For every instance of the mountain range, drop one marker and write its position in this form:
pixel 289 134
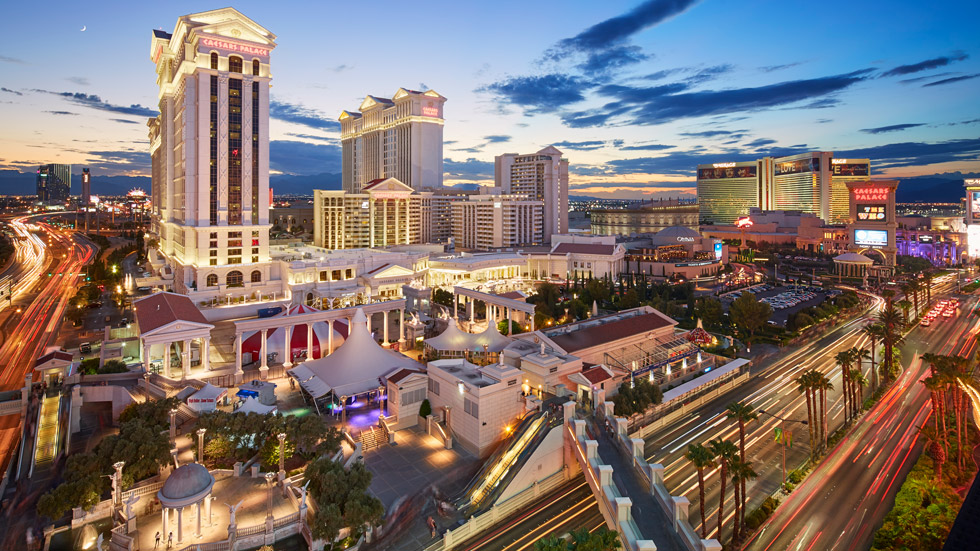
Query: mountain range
pixel 936 188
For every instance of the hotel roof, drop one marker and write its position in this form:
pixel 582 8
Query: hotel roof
pixel 583 248
pixel 597 334
pixel 159 309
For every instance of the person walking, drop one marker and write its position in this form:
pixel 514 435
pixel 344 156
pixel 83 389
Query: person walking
pixel 170 540
pixel 157 542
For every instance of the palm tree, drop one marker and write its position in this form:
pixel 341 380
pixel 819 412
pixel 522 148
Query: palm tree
pixel 858 381
pixel 927 283
pixel 957 372
pixel 551 543
pixel 741 412
pixel 725 452
pixel 890 320
pixel 936 449
pixel 874 332
pixel 858 355
pixel 905 305
pixel 804 385
pixel 741 471
pixel 843 359
pixel 822 384
pixel 914 287
pixel 702 458
pixel 601 540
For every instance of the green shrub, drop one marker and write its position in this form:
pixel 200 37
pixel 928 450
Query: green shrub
pixel 112 366
pixel 425 409
pixel 765 510
pixel 796 476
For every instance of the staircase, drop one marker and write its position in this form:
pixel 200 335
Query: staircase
pixel 371 438
pixel 47 435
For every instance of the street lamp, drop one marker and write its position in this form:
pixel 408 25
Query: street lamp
pixel 783 439
pixel 282 459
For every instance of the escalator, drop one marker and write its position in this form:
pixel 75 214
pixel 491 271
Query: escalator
pixel 501 467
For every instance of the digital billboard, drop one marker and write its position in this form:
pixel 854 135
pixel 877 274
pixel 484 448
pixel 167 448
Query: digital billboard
pixel 975 205
pixel 870 212
pixel 850 169
pixel 871 238
pixel 796 167
pixel 925 239
pixel 718 173
pixel 718 247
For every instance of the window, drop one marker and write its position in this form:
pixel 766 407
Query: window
pixel 213 253
pixel 256 276
pixel 323 275
pixel 411 397
pixel 471 407
pixel 335 276
pixel 350 274
pixel 255 259
pixel 214 60
pixel 234 260
pixel 235 252
pixel 214 262
pixel 212 280
pixel 255 67
pixel 214 235
pixel 434 387
pixel 234 279
pixel 213 244
pixel 234 64
pixel 234 242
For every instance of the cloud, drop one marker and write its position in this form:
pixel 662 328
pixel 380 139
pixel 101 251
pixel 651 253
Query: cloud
pixel 470 168
pixel 905 154
pixel 496 138
pixel 9 91
pixel 478 149
pixel 951 80
pixel 301 158
pixel 648 147
pixel 891 128
pixel 125 160
pixel 772 68
pixel 660 75
pixel 125 121
pixel 8 59
pixel 95 102
pixel 761 142
pixel 341 68
pixel 715 133
pixel 645 106
pixel 615 30
pixel 925 65
pixel 540 94
pixel 709 73
pixel 588 145
pixel 927 77
pixel 299 114
pixel 607 60
pixel 60 113
pixel 81 81
pixel 313 137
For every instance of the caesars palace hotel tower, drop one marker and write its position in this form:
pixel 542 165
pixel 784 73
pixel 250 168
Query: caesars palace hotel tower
pixel 210 155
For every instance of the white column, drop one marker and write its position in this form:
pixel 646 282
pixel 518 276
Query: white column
pixel 180 524
pixel 185 356
pixel 369 316
pixel 146 357
pixel 309 341
pixel 206 354
pixel 163 523
pixel 386 343
pixel 263 352
pixel 401 325
pixel 329 338
pixel 510 321
pixel 289 347
pixel 199 518
pixel 207 507
pixel 238 358
pixel 166 359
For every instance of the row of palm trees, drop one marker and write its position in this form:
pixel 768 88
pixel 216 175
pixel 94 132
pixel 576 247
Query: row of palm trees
pixel 732 465
pixel 948 376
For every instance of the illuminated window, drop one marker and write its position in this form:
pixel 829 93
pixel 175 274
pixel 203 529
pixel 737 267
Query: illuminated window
pixel 214 60
pixel 212 280
pixel 235 64
pixel 256 276
pixel 255 67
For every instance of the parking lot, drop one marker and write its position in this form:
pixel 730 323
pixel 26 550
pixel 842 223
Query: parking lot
pixel 784 301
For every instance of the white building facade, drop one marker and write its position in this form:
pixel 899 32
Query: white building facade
pixel 541 176
pixel 487 222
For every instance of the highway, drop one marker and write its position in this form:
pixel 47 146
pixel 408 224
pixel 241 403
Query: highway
pixel 846 498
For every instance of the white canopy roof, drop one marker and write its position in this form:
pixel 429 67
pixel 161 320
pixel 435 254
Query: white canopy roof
pixel 209 393
pixel 454 338
pixel 492 338
pixel 354 368
pixel 252 405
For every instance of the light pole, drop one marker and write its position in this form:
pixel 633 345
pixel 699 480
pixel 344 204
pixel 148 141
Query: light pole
pixel 200 445
pixel 282 459
pixel 173 426
pixel 783 436
pixel 268 479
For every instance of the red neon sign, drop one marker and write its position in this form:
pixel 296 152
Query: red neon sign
pixel 744 222
pixel 233 46
pixel 871 194
pixel 430 111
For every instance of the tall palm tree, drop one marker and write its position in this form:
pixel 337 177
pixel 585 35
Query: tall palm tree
pixel 843 359
pixel 891 321
pixel 874 332
pixel 858 382
pixel 804 385
pixel 858 355
pixel 905 305
pixel 958 372
pixel 927 283
pixel 822 384
pixel 935 385
pixel 741 472
pixel 741 412
pixel 935 447
pixel 914 287
pixel 702 458
pixel 726 452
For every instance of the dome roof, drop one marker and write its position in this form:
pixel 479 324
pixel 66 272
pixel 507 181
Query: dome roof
pixel 679 231
pixel 853 257
pixel 187 481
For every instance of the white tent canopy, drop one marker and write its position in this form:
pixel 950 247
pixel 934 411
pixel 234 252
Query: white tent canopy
pixel 455 339
pixel 491 337
pixel 252 405
pixel 354 368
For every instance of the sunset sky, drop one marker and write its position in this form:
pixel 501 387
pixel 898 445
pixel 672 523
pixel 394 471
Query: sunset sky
pixel 635 94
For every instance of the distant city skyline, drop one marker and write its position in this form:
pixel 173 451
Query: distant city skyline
pixel 636 94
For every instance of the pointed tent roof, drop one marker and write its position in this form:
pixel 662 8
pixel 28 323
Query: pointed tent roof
pixel 454 338
pixel 357 366
pixel 252 405
pixel 492 338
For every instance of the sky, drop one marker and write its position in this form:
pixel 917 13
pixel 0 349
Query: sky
pixel 636 94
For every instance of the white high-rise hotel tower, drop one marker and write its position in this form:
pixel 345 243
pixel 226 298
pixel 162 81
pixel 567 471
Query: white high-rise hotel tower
pixel 210 154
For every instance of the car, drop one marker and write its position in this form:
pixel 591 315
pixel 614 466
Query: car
pixel 85 347
pixel 926 322
pixel 143 288
pixel 94 305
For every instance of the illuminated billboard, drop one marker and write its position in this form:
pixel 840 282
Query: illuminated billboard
pixel 973 240
pixel 871 238
pixel 871 213
pixel 975 205
pixel 721 172
pixel 796 167
pixel 925 239
pixel 850 169
pixel 718 247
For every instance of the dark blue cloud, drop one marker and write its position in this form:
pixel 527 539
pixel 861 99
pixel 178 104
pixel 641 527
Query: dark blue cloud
pixel 927 77
pixel 95 102
pixel 60 113
pixel 924 65
pixel 124 161
pixel 298 114
pixel 917 153
pixel 313 137
pixel 469 149
pixel 951 80
pixel 772 68
pixel 891 128
pixel 588 145
pixel 81 81
pixel 761 142
pixel 715 133
pixel 607 60
pixel 709 73
pixel 617 29
pixel 470 168
pixel 496 138
pixel 9 91
pixel 125 121
pixel 293 157
pixel 648 147
pixel 540 94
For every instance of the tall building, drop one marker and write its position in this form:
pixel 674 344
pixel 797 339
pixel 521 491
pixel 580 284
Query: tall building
pixel 210 151
pixel 841 172
pixel 397 138
pixel 647 217
pixel 541 176
pixel 726 191
pixel 385 213
pixel 436 213
pixel 802 182
pixel 494 221
pixel 53 183
pixel 85 198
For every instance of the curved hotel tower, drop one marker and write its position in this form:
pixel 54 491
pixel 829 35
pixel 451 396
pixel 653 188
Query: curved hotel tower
pixel 210 153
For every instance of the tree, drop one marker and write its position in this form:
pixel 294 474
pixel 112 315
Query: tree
pixel 726 452
pixel 874 333
pixel 710 311
pixel 596 290
pixel 748 314
pixel 630 300
pixel 741 472
pixel 342 500
pixel 742 412
pixel 600 540
pixel 443 297
pixel 927 283
pixel 843 359
pixel 805 386
pixel 822 384
pixel 858 381
pixel 890 321
pixel 905 305
pixel 702 458
pixel 636 397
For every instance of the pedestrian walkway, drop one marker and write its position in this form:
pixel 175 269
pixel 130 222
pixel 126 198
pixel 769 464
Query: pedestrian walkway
pixel 47 437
